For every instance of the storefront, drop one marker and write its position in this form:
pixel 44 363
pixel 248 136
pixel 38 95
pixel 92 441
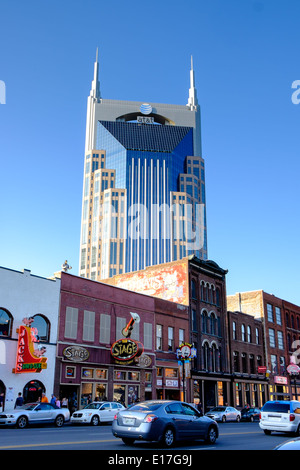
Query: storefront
pixel 28 329
pixel 96 377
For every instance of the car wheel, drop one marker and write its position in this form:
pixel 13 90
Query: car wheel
pixel 223 419
pixel 22 422
pixel 267 432
pixel 59 421
pixel 212 435
pixel 128 440
pixel 168 438
pixel 95 420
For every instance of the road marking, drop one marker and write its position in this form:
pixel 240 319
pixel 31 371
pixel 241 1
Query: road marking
pixel 56 444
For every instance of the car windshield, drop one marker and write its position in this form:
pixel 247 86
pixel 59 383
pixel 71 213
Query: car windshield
pixel 277 407
pixel 28 406
pixel 93 406
pixel 219 408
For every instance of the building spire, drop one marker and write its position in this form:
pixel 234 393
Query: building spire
pixel 95 90
pixel 193 101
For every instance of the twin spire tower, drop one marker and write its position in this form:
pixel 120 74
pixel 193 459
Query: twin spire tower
pixel 144 184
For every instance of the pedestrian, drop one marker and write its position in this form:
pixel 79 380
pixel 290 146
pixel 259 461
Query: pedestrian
pixel 64 403
pixel 44 398
pixel 19 400
pixel 1 401
pixel 199 408
pixel 53 399
pixel 57 403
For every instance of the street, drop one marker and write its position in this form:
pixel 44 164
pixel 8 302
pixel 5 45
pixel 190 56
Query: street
pixel 233 436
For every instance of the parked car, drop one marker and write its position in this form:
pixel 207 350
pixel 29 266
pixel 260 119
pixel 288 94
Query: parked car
pixel 165 421
pixel 97 412
pixel 224 413
pixel 250 414
pixel 281 416
pixel 292 444
pixel 35 413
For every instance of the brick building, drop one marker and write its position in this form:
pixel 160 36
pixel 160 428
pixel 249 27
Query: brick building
pixel 247 360
pixel 97 359
pixel 281 323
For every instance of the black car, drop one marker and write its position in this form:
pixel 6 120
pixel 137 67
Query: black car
pixel 250 414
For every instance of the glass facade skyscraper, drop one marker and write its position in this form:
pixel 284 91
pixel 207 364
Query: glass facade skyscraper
pixel 144 185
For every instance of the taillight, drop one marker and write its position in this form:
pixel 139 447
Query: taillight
pixel 150 418
pixel 292 417
pixel 115 417
pixel 259 415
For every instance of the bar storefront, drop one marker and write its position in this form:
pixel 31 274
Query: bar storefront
pixel 89 374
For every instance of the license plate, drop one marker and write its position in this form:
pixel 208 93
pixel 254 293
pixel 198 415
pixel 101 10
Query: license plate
pixel 128 421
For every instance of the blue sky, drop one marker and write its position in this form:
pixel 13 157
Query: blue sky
pixel 245 59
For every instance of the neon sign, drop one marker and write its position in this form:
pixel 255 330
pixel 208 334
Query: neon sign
pixel 28 358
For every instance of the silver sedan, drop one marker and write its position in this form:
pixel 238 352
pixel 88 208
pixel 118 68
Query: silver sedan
pixel 35 413
pixel 224 413
pixel 166 421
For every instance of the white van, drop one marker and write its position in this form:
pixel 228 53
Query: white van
pixel 281 416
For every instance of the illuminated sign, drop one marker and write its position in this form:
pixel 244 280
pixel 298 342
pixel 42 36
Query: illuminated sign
pixel 29 359
pixel 125 350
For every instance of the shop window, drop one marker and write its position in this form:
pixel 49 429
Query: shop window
pixel 6 321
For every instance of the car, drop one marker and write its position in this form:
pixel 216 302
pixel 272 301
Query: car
pixel 292 444
pixel 250 414
pixel 35 413
pixel 164 421
pixel 224 413
pixel 97 412
pixel 280 416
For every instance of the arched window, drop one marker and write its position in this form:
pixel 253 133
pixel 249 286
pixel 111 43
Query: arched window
pixel 249 334
pixel 205 356
pixel 214 357
pixel 213 324
pixel 243 333
pixel 42 324
pixel 204 321
pixel 6 321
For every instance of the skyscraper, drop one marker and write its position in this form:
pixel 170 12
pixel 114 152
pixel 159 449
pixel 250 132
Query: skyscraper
pixel 144 184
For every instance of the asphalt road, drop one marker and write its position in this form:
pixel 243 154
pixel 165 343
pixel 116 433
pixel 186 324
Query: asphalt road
pixel 233 436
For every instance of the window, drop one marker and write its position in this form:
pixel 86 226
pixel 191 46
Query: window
pixel 194 293
pixel 234 330
pixel 274 368
pixel 243 333
pixel 205 356
pixel 213 324
pixel 71 323
pixel 272 337
pixel 159 337
pixel 88 326
pixel 181 336
pixel 270 313
pixel 42 325
pixel 148 335
pixel 204 321
pixel 104 328
pixel 278 315
pixel 170 338
pixel 280 339
pixel 257 335
pixel 249 336
pixel 5 323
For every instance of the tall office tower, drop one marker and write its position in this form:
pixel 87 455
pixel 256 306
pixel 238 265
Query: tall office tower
pixel 144 185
